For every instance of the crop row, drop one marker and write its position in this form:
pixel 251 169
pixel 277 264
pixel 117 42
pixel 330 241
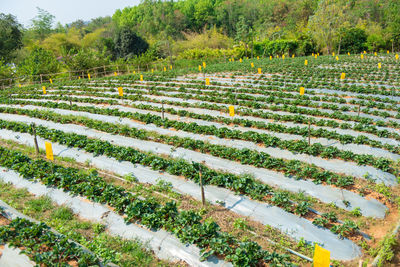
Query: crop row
pixel 186 225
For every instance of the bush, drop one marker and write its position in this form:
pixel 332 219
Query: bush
pixel 40 61
pixel 353 41
pixel 85 59
pixel 279 47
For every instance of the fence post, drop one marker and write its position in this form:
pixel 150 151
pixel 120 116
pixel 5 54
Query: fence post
pixel 41 79
pixel 35 138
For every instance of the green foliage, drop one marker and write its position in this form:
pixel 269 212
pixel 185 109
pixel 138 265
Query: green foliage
pixel 39 61
pixel 10 37
pixel 85 59
pixel 42 23
pixel 353 40
pixel 5 72
pixel 128 44
pixel 280 47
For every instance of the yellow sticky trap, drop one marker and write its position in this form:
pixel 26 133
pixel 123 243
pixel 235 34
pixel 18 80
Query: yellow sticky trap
pixel 170 66
pixel 397 56
pixel 120 91
pixel 79 77
pixel 365 52
pixel 315 56
pixel 49 151
pixel 270 57
pixel 375 54
pixel 388 51
pixel 152 70
pixel 231 111
pixel 44 89
pixel 305 62
pixel 115 73
pixel 165 69
pixel 293 56
pixel 51 81
pixel 337 58
pixel 240 60
pixel 362 56
pixel 302 90
pixel 19 85
pixel 141 78
pixel 333 54
pixel 283 56
pixel 259 70
pixel 88 76
pixel 379 65
pixel 321 257
pixel 233 59
pixel 134 72
pixel 258 57
pixel 348 53
pixel 312 54
pixel 343 76
pixel 207 81
pixel 252 64
pixel 229 61
pixel 200 66
pixel 204 64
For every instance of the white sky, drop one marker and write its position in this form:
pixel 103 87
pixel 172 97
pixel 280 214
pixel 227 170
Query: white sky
pixel 65 11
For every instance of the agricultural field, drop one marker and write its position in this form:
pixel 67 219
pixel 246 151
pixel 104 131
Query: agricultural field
pixel 290 152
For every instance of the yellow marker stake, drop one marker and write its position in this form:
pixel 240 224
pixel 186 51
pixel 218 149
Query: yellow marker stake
pixel 240 60
pixel 252 64
pixel 258 57
pixel 51 81
pixel 362 56
pixel 44 89
pixel 379 65
pixel 49 151
pixel 316 56
pixel 170 66
pixel 120 91
pixel 348 53
pixel 259 70
pixel 19 85
pixel 200 67
pixel 229 61
pixel 283 56
pixel 231 111
pixel 141 78
pixel 321 257
pixel 270 57
pixel 88 76
pixel 305 62
pixel 79 77
pixel 152 70
pixel 204 64
pixel 365 52
pixel 165 69
pixel 134 72
pixel 397 56
pixel 337 58
pixel 375 54
pixel 333 54
pixel 115 73
pixel 387 52
pixel 312 54
pixel 343 76
pixel 233 59
pixel 302 90
pixel 207 81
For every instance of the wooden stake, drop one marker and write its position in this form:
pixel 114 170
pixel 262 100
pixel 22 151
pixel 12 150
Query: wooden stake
pixel 309 132
pixel 359 109
pixel 162 109
pixel 35 138
pixel 203 198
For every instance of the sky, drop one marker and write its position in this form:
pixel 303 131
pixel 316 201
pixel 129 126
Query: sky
pixel 65 11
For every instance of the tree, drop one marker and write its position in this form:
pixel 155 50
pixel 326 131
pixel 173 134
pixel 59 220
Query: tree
pixel 353 40
pixel 42 23
pixel 40 61
pixel 10 37
pixel 128 44
pixel 326 22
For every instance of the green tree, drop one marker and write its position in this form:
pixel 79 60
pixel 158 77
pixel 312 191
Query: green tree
pixel 10 37
pixel 40 61
pixel 128 44
pixel 354 40
pixel 42 23
pixel 326 22
pixel 5 73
